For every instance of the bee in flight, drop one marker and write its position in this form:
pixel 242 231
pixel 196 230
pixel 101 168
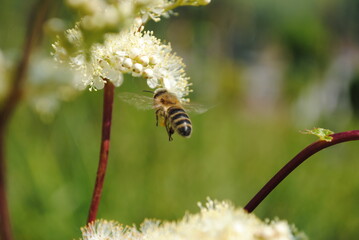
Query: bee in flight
pixel 170 112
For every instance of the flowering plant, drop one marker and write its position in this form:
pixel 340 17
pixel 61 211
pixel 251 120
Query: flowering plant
pixel 107 42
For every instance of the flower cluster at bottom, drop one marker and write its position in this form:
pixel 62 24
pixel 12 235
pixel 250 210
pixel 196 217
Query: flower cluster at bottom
pixel 215 221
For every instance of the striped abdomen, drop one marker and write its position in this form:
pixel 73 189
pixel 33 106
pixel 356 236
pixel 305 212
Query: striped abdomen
pixel 180 121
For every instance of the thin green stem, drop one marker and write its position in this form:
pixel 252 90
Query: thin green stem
pixel 296 161
pixel 105 147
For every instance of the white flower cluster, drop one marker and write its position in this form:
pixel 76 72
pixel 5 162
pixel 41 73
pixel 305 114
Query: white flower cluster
pixel 133 51
pixel 101 13
pixel 216 221
pixel 99 52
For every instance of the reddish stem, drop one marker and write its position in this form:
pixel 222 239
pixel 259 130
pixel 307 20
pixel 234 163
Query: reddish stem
pixel 105 146
pixel 5 226
pixel 296 161
pixel 34 33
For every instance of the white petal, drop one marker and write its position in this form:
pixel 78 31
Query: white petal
pixel 98 83
pixel 134 52
pixel 144 60
pixel 148 73
pixel 152 82
pixel 137 68
pixel 118 80
pixel 127 63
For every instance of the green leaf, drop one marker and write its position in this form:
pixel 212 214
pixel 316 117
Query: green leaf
pixel 322 133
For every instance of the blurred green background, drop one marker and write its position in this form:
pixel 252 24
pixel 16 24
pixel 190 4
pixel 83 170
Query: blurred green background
pixel 269 68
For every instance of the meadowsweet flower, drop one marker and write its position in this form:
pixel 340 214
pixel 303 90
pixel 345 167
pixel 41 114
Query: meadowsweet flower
pixel 215 221
pixel 135 52
pixel 99 52
pixel 101 14
pixel 104 230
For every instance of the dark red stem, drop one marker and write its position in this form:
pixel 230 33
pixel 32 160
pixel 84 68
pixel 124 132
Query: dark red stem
pixel 5 226
pixel 105 146
pixel 296 161
pixel 34 33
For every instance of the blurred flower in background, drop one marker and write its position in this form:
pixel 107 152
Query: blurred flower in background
pixel 331 94
pixel 48 85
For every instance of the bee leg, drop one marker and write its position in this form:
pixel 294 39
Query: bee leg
pixel 170 132
pixel 157 118
pixel 169 129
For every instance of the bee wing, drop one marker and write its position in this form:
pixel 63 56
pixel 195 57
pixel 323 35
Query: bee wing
pixel 137 100
pixel 195 107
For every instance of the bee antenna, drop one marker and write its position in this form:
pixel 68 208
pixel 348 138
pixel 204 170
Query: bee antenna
pixel 148 91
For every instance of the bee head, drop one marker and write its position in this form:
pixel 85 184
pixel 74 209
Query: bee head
pixel 158 92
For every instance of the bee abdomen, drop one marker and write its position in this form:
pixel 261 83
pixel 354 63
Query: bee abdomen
pixel 179 116
pixel 180 121
pixel 174 111
pixel 184 129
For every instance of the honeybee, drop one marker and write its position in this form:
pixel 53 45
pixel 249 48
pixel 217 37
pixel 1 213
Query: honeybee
pixel 170 112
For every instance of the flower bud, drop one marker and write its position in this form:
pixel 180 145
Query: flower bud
pixel 148 73
pixel 127 63
pixel 137 68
